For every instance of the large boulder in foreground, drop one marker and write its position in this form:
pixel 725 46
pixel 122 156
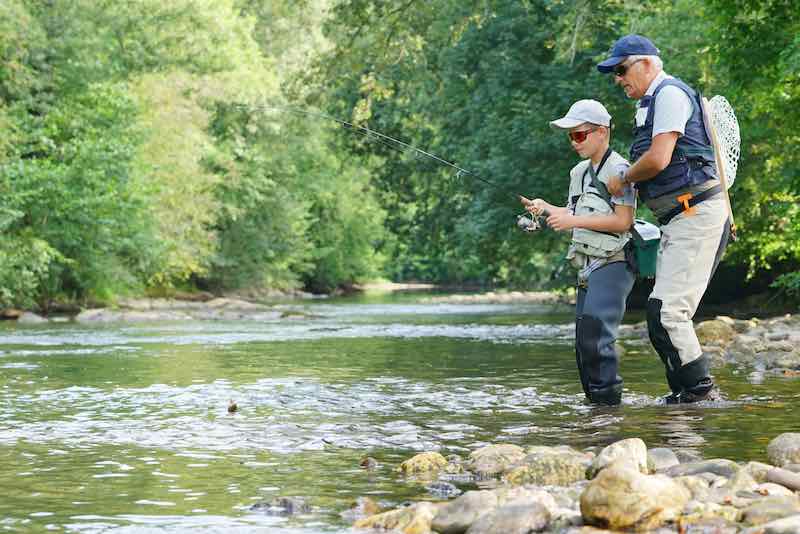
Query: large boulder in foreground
pixel 784 449
pixel 621 497
pixel 459 514
pixel 632 449
pixel 414 519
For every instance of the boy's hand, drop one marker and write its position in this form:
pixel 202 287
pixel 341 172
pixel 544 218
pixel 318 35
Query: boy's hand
pixel 536 206
pixel 561 221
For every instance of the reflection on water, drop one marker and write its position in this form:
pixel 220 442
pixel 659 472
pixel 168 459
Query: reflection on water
pixel 125 428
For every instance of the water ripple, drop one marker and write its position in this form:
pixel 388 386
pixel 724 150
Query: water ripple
pixel 279 415
pixel 76 341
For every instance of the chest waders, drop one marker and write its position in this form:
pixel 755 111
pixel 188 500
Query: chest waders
pixel 600 303
pixel 691 165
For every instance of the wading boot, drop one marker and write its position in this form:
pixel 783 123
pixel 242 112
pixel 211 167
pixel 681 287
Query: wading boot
pixel 610 396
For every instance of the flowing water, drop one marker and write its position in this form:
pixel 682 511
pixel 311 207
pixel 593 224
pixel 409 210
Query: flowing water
pixel 125 428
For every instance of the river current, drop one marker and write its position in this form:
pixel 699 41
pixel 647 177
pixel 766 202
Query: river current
pixel 126 428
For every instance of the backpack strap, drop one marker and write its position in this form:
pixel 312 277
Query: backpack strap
pixel 597 184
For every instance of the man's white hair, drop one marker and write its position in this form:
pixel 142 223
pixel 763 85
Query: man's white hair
pixel 654 60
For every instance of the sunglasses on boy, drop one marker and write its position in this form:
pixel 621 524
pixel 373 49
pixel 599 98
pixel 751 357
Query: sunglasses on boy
pixel 580 136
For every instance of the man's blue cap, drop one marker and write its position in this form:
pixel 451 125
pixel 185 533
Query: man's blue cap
pixel 630 45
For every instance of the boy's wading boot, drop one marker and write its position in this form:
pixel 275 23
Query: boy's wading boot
pixel 610 396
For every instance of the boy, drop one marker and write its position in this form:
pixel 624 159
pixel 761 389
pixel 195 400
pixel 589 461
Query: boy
pixel 599 225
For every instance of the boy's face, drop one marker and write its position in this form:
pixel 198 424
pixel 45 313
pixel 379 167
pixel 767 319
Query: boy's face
pixel 586 139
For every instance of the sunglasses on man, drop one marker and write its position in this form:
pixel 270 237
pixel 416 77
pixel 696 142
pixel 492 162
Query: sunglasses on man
pixel 622 69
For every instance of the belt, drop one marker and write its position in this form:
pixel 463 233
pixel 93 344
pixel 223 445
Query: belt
pixel 687 202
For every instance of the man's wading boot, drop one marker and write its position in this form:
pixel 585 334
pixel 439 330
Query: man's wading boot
pixel 694 381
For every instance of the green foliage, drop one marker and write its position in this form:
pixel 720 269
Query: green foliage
pixel 134 154
pixel 789 282
pixel 71 193
pixel 21 44
pixel 169 167
pixel 477 82
pixel 290 206
pixel 95 40
pixel 756 42
pixel 26 266
pixel 262 222
pixel 347 226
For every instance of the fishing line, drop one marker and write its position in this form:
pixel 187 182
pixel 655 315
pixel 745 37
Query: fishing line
pixel 387 141
pixel 527 222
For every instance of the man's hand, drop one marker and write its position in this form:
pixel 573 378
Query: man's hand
pixel 615 186
pixel 561 221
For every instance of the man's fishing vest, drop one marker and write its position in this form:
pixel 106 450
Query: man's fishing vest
pixel 586 199
pixel 692 160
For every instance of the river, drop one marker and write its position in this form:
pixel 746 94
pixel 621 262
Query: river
pixel 125 428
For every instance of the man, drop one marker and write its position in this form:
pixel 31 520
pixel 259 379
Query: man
pixel 674 172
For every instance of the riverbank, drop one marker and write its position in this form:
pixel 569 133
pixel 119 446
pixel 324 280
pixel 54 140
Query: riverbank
pixel 623 487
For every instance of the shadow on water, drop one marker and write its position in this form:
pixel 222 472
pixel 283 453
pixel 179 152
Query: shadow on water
pixel 125 427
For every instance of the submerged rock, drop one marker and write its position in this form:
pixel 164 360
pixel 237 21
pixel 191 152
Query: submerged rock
pixel 282 506
pixel 423 463
pixel 368 463
pixel 443 490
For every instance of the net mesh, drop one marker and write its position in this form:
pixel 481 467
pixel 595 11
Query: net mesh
pixel 726 127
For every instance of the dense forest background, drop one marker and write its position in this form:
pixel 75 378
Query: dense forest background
pixel 149 145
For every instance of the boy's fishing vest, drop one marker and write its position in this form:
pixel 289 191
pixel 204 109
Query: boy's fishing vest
pixel 692 160
pixel 588 200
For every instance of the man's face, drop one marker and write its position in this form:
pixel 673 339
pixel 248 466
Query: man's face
pixel 633 77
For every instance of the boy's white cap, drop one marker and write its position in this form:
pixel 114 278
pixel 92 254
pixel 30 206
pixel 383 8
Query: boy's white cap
pixel 583 111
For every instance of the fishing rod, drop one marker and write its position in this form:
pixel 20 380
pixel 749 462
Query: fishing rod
pixel 527 221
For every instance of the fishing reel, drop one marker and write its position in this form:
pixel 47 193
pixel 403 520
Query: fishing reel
pixel 528 222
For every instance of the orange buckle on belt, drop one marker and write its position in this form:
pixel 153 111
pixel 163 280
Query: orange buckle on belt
pixel 684 199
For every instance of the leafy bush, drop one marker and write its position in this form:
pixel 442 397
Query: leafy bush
pixel 70 181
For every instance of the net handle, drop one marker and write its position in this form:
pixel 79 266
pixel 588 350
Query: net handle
pixel 720 167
